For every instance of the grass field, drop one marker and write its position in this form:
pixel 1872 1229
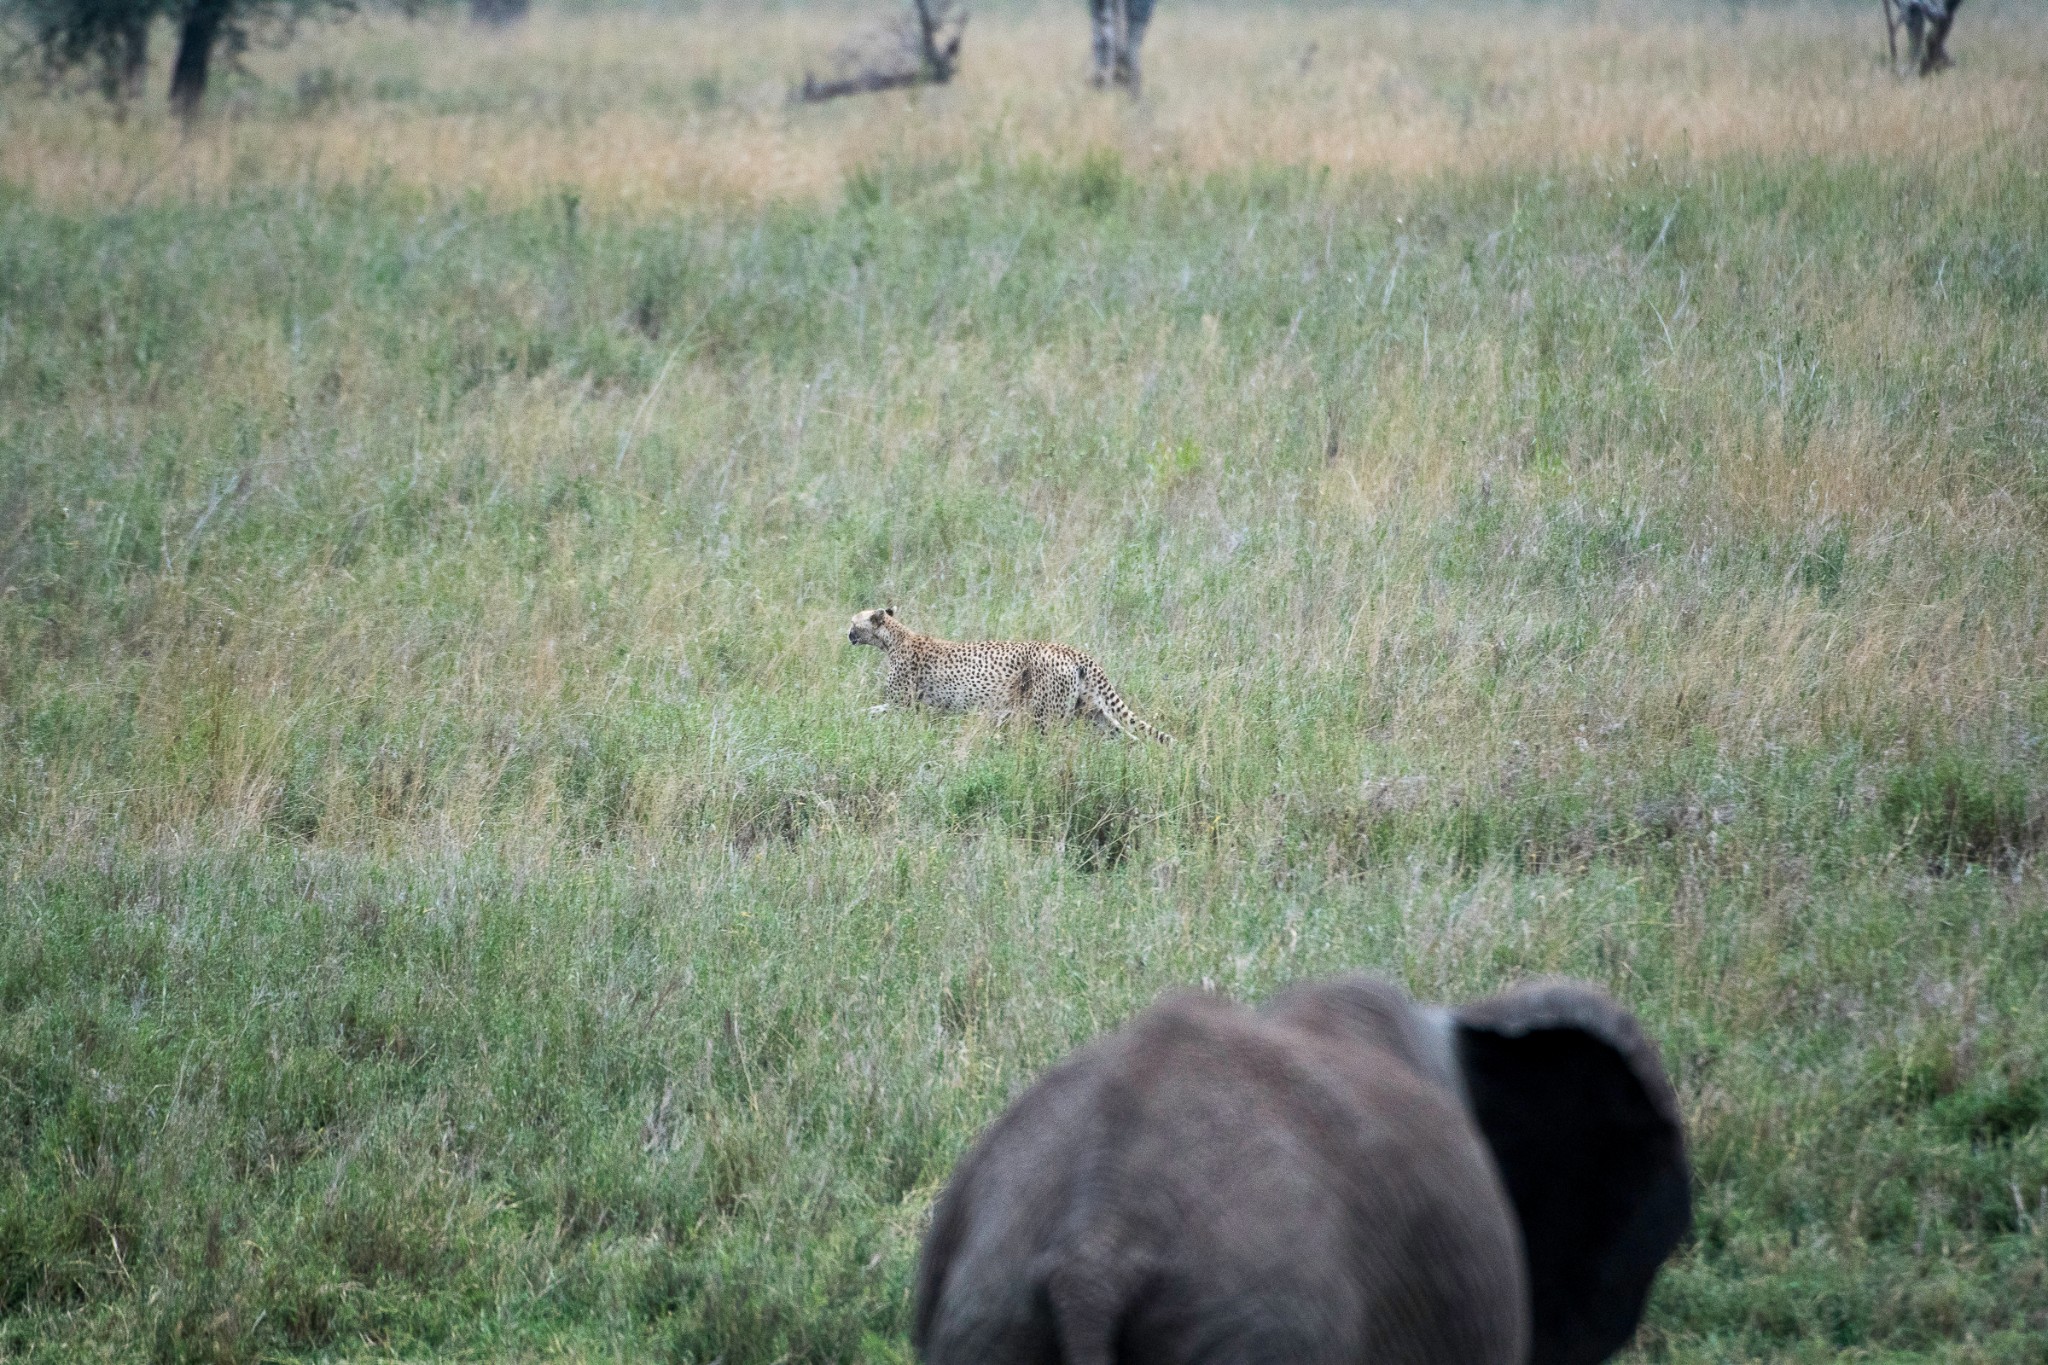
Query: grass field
pixel 1574 477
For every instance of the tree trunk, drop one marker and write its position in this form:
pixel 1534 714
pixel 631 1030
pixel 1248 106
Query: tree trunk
pixel 134 57
pixel 123 53
pixel 196 40
pixel 498 13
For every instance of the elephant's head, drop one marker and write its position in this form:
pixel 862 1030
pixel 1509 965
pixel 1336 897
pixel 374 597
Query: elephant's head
pixel 1341 1175
pixel 1582 1125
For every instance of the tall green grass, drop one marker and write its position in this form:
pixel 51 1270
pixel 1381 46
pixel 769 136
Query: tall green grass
pixel 455 903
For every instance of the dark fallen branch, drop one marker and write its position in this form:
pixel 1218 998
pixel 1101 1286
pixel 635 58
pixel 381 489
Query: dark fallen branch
pixel 815 91
pixel 925 50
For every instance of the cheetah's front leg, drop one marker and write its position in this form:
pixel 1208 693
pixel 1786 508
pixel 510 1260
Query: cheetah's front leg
pixel 899 692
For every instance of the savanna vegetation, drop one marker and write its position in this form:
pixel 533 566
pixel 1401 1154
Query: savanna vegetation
pixel 1575 479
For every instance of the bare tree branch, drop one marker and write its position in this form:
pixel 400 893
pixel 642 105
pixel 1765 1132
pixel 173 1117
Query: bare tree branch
pixel 921 48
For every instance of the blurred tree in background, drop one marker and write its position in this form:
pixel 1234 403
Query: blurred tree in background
pixel 498 13
pixel 108 40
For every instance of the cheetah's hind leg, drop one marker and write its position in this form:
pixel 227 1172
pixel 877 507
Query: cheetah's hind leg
pixel 1035 696
pixel 1101 716
pixel 1056 695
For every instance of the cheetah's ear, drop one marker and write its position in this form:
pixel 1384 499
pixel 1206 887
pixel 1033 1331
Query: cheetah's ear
pixel 888 611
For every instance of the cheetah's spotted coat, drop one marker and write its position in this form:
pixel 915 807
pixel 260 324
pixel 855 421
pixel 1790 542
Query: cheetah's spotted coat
pixel 1046 682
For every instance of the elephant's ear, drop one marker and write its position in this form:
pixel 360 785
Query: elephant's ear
pixel 1585 1130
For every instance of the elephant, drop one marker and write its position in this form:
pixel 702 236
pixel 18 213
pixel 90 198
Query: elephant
pixel 1340 1176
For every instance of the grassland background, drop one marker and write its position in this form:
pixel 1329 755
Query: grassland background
pixel 1573 477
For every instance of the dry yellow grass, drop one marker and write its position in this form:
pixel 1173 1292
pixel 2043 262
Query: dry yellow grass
pixel 654 112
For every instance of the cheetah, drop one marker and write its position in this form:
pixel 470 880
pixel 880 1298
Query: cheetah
pixel 1046 682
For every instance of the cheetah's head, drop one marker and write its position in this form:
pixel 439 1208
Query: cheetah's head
pixel 874 627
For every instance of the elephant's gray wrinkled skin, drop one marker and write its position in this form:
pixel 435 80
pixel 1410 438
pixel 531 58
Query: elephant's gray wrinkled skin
pixel 1341 1176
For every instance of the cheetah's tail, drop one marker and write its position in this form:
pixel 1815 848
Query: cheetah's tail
pixel 1146 728
pixel 1114 709
pixel 1127 720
